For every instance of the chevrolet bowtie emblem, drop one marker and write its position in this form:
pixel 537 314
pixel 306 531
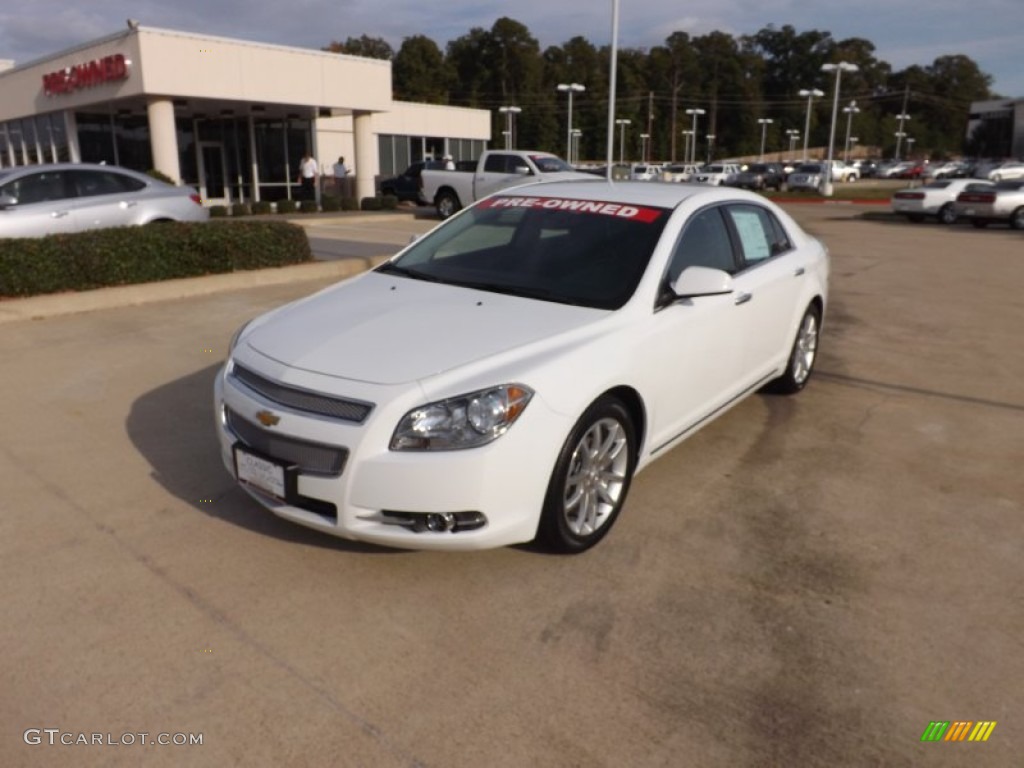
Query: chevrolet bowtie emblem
pixel 268 419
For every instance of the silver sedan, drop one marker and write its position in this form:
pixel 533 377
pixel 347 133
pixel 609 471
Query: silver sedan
pixel 38 200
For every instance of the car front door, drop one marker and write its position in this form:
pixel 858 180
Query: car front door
pixel 768 288
pixel 40 205
pixel 693 350
pixel 498 173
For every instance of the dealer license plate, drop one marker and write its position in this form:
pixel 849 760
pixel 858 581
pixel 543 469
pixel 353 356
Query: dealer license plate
pixel 263 474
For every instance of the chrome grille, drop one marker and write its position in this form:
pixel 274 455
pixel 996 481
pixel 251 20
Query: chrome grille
pixel 313 458
pixel 303 400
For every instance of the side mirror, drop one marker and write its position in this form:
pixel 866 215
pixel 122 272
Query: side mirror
pixel 701 281
pixel 523 170
pixel 7 201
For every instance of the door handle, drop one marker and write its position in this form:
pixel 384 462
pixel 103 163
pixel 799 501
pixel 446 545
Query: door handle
pixel 799 271
pixel 128 204
pixel 59 214
pixel 743 298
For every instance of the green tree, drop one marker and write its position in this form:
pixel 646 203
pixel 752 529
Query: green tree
pixel 364 45
pixel 419 71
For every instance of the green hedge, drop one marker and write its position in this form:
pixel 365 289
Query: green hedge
pixel 126 255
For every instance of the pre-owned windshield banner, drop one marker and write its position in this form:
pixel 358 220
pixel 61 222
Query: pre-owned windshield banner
pixel 618 210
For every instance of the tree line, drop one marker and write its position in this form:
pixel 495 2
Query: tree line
pixel 735 80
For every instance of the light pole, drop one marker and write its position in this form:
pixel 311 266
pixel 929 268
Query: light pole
pixel 793 134
pixel 687 138
pixel 643 146
pixel 711 140
pixel 570 88
pixel 622 123
pixel 810 95
pixel 510 122
pixel 838 68
pixel 693 147
pixel 764 122
pixel 575 154
pixel 899 132
pixel 850 112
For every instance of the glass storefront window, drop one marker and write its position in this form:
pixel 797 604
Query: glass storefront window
pixel 96 138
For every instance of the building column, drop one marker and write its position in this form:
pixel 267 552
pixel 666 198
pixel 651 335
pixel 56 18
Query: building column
pixel 366 154
pixel 163 138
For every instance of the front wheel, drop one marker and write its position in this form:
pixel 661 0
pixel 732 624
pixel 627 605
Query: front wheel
pixel 447 204
pixel 590 480
pixel 802 355
pixel 947 214
pixel 1017 218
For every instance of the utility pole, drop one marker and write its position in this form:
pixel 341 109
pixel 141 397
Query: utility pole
pixel 650 119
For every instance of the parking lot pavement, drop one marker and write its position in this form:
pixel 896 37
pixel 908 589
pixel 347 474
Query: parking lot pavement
pixel 808 581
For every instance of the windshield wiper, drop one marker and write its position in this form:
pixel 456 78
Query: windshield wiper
pixel 390 268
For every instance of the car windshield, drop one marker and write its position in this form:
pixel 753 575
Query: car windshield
pixel 809 168
pixel 581 252
pixel 757 168
pixel 550 164
pixel 1010 185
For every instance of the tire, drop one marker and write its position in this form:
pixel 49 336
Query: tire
pixel 947 214
pixel 1017 218
pixel 447 204
pixel 802 355
pixel 590 480
pixel 979 223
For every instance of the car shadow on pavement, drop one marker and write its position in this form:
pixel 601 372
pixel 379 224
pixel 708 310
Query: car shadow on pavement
pixel 172 427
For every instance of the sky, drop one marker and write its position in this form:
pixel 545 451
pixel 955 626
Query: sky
pixel 991 32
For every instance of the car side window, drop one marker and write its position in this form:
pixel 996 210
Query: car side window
pixel 759 232
pixel 90 183
pixel 705 242
pixel 500 164
pixel 37 187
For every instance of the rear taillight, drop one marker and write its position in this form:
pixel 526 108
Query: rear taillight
pixel 974 197
pixel 196 199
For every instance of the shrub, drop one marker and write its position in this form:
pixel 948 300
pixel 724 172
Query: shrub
pixel 241 209
pixel 287 206
pixel 370 204
pixel 160 176
pixel 309 206
pixel 216 211
pixel 350 204
pixel 330 203
pixel 126 255
pixel 389 202
pixel 263 206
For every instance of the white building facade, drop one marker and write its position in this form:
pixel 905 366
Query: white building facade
pixel 229 117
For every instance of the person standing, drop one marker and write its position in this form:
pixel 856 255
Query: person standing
pixel 308 172
pixel 340 174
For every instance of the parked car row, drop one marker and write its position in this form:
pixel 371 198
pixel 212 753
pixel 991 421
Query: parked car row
pixel 949 200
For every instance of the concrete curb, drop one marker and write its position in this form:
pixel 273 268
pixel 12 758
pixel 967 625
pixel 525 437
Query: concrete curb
pixel 53 305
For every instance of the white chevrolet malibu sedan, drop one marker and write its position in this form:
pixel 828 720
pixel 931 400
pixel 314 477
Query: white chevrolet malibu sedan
pixel 503 378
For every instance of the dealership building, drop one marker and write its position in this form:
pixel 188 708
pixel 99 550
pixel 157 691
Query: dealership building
pixel 230 117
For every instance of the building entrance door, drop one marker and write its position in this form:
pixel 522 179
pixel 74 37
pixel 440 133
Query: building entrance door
pixel 213 173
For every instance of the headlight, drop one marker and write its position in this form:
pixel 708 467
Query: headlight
pixel 461 422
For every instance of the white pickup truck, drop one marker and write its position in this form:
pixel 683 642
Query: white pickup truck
pixel 495 170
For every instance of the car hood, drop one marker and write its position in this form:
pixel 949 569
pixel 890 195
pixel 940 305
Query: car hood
pixel 385 329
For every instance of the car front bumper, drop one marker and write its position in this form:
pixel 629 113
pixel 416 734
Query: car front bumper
pixel 385 497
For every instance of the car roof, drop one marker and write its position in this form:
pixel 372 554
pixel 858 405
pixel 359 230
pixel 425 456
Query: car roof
pixel 631 192
pixel 68 167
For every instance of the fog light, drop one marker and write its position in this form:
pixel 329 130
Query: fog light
pixel 437 523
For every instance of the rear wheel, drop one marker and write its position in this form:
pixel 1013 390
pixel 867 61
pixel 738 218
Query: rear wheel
pixel 947 214
pixel 802 355
pixel 590 480
pixel 447 204
pixel 1017 218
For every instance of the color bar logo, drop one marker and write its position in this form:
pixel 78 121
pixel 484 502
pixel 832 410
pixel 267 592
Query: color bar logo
pixel 958 730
